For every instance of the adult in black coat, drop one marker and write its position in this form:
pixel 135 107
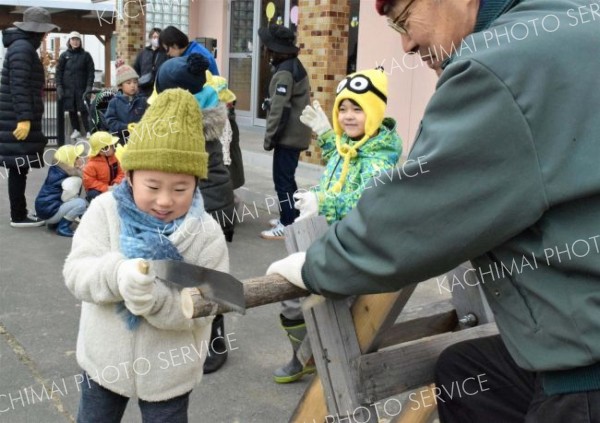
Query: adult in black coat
pixel 21 108
pixel 148 61
pixel 75 76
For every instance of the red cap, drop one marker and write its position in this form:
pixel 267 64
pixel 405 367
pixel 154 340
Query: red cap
pixel 380 6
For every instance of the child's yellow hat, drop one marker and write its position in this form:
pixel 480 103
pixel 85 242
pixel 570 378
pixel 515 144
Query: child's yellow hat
pixel 67 154
pixel 100 140
pixel 169 137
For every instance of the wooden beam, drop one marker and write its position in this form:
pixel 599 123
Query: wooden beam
pixel 418 322
pixel 410 365
pixel 422 414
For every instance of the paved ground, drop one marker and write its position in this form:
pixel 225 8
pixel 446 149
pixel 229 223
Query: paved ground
pixel 39 318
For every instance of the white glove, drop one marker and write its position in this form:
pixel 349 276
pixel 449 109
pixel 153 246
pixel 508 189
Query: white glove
pixel 71 188
pixel 290 268
pixel 315 118
pixel 307 203
pixel 136 287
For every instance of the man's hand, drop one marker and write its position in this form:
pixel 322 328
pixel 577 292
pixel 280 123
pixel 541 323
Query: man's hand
pixel 307 203
pixel 22 130
pixel 315 118
pixel 136 287
pixel 290 268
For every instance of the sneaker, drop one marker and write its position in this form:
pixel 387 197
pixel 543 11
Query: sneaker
pixel 276 232
pixel 75 134
pixel 273 222
pixel 30 221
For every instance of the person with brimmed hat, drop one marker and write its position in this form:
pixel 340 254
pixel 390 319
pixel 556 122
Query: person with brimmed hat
pixel 129 318
pixel 289 93
pixel 22 141
pixel 503 173
pixel 102 172
pixel 58 201
pixel 75 73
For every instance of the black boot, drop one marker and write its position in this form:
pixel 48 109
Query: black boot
pixel 64 228
pixel 217 348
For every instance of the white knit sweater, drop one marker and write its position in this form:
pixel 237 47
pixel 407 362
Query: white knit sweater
pixel 163 357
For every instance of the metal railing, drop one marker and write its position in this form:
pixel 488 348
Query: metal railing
pixel 53 120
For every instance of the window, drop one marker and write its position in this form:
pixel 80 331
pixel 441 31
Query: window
pixel 162 13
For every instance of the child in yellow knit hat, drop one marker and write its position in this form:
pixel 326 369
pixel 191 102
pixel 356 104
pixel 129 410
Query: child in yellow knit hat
pixel 58 201
pixel 131 321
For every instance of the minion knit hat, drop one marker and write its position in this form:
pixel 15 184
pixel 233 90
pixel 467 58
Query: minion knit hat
pixel 100 140
pixel 369 90
pixel 67 154
pixel 169 138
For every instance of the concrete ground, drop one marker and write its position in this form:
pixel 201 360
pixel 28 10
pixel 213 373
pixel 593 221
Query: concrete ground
pixel 39 317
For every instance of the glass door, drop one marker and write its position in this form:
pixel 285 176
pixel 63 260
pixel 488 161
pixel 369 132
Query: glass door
pixel 241 46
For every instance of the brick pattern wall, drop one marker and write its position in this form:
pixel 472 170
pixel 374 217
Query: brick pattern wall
pixel 323 40
pixel 130 31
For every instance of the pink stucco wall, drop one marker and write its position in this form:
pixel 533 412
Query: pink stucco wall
pixel 208 18
pixel 411 83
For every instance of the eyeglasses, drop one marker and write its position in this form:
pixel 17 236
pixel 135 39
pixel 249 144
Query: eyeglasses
pixel 398 24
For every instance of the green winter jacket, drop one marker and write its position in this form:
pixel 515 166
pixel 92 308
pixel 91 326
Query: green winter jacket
pixel 510 148
pixel 379 154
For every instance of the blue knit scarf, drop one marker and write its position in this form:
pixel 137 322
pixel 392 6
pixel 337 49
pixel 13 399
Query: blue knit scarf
pixel 144 236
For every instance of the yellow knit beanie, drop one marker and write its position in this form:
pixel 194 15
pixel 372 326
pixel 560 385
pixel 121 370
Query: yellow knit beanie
pixel 369 90
pixel 169 137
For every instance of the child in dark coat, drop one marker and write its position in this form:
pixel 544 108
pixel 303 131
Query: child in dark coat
pixel 58 201
pixel 128 106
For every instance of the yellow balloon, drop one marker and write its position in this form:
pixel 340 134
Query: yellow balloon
pixel 270 10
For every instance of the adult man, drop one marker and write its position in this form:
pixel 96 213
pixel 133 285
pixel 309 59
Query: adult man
pixel 21 108
pixel 506 172
pixel 148 61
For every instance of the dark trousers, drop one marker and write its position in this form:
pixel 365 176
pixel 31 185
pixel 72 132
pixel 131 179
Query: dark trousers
pixel 285 162
pixel 85 117
pixel 17 182
pixel 477 381
pixel 99 405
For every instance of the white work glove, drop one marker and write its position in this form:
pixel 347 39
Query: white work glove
pixel 71 188
pixel 308 204
pixel 290 268
pixel 315 118
pixel 136 287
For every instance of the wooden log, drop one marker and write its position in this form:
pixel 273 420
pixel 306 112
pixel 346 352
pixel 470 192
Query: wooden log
pixel 257 291
pixel 409 366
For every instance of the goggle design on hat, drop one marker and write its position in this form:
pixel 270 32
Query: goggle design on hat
pixel 360 84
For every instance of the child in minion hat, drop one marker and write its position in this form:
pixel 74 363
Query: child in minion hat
pixel 102 171
pixel 362 144
pixel 127 315
pixel 58 201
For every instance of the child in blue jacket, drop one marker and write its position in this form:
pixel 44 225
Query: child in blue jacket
pixel 58 201
pixel 128 106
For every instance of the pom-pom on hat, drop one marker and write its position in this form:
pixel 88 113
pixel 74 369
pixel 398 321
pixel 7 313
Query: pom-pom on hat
pixel 279 39
pixel 187 72
pixel 125 73
pixel 169 137
pixel 100 140
pixel 67 154
pixel 369 90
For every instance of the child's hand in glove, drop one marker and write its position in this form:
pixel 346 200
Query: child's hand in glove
pixel 136 286
pixel 307 203
pixel 315 118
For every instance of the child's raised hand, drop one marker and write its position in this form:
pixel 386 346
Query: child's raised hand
pixel 315 118
pixel 136 286
pixel 307 203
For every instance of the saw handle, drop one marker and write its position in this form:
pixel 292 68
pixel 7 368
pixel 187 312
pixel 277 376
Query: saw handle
pixel 143 267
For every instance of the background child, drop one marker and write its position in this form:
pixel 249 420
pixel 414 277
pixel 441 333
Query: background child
pixel 127 106
pixel 129 320
pixel 58 201
pixel 189 73
pixel 361 145
pixel 102 170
